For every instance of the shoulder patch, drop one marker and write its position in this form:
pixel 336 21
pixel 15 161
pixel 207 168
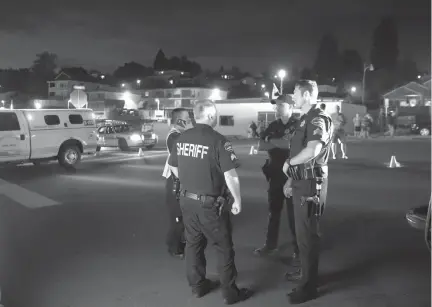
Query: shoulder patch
pixel 302 123
pixel 228 146
pixel 319 123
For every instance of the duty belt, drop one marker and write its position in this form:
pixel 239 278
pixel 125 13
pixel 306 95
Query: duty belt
pixel 194 196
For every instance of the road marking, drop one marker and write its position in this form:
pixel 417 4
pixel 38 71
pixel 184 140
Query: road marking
pixel 119 158
pixel 25 197
pixel 128 182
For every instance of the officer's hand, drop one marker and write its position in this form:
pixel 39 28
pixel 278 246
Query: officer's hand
pixel 285 168
pixel 287 189
pixel 236 208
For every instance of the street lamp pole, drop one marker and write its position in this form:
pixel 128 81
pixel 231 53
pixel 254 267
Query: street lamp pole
pixel 366 67
pixel 281 74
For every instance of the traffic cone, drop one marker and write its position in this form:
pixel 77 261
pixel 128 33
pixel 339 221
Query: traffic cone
pixel 140 153
pixel 393 163
pixel 252 150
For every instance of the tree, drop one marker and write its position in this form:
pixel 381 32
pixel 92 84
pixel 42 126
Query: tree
pixel 327 62
pixel 306 73
pixel 45 64
pixel 408 70
pixel 132 71
pixel 160 62
pixel 351 66
pixel 385 52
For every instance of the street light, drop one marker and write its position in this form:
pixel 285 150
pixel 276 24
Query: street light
pixel 263 86
pixel 419 77
pixel 138 81
pixel 102 76
pixel 366 67
pixel 123 85
pixel 353 89
pixel 38 105
pixel 281 75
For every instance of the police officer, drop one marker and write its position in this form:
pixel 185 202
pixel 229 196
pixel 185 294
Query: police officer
pixel 206 163
pixel 307 171
pixel 276 140
pixel 175 238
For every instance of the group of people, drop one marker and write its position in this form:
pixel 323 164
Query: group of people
pixel 362 125
pixel 203 188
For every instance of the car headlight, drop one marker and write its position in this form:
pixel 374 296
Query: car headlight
pixel 135 137
pixel 153 136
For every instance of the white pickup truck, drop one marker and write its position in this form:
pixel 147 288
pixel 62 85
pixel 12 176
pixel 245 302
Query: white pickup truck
pixel 41 135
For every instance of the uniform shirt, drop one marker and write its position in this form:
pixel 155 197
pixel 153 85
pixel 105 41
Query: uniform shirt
pixel 277 129
pixel 202 155
pixel 315 125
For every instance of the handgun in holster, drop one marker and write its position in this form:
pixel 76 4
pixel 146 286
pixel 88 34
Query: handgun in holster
pixel 224 201
pixel 176 187
pixel 315 207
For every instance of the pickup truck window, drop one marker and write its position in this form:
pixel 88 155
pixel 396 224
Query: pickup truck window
pixel 9 122
pixel 52 120
pixel 75 119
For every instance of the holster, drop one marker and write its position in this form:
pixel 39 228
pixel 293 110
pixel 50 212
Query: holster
pixel 176 187
pixel 315 207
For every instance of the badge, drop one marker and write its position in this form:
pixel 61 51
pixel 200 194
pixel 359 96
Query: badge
pixel 233 157
pixel 302 123
pixel 228 147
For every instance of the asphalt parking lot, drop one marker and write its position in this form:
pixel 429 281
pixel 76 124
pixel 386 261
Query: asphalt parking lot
pixel 96 237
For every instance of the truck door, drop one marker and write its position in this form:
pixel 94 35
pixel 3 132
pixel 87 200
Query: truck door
pixel 14 142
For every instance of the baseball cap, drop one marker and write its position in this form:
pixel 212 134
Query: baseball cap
pixel 282 99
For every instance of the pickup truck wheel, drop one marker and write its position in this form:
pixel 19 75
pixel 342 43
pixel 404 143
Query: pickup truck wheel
pixel 123 145
pixel 69 156
pixel 149 146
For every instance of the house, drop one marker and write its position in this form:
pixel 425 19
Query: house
pixel 412 94
pixel 64 83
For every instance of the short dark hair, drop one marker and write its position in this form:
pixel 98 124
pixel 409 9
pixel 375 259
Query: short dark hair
pixel 322 106
pixel 308 85
pixel 176 113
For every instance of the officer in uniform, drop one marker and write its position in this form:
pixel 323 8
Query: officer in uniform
pixel 307 173
pixel 175 238
pixel 276 140
pixel 205 163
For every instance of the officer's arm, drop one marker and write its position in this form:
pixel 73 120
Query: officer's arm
pixel 228 162
pixel 263 144
pixel 317 136
pixel 171 140
pixel 173 160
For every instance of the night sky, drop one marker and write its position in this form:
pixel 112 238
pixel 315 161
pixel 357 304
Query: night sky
pixel 251 34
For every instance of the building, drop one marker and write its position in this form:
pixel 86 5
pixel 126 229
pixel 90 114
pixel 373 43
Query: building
pixel 171 98
pixel 97 98
pixel 412 94
pixel 63 84
pixel 235 115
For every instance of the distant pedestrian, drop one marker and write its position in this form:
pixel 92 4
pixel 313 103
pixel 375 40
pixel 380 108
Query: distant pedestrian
pixel 366 125
pixel 357 125
pixel 339 135
pixel 253 127
pixel 391 122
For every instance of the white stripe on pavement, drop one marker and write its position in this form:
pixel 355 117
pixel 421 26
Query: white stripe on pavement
pixel 128 182
pixel 125 157
pixel 25 197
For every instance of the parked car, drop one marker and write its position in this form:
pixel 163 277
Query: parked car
pixel 40 135
pixel 420 218
pixel 422 125
pixel 124 136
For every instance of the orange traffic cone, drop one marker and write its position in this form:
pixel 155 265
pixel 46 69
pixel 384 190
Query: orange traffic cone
pixel 393 163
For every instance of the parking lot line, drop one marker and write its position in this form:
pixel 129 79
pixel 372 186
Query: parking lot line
pixel 25 197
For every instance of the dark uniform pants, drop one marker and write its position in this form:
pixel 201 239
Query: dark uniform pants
pixel 175 237
pixel 307 230
pixel 204 224
pixel 276 199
